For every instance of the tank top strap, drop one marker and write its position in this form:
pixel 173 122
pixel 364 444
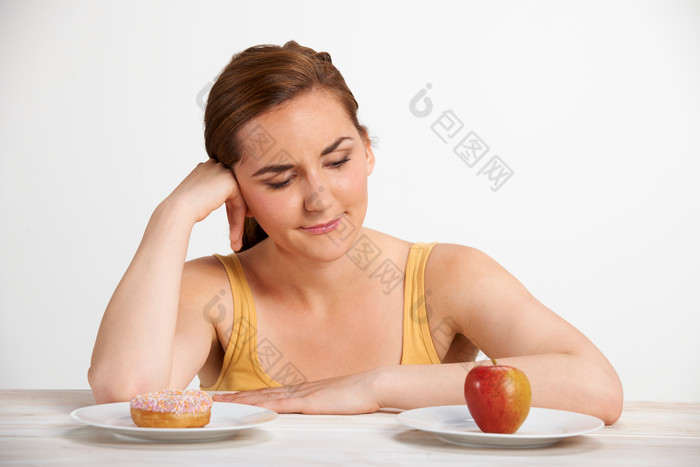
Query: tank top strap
pixel 418 347
pixel 240 366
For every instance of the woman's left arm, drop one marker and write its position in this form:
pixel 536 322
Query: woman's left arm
pixel 469 293
pixel 476 297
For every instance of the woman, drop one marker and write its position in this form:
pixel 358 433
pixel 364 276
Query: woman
pixel 316 313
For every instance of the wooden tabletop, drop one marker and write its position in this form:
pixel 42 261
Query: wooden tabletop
pixel 36 429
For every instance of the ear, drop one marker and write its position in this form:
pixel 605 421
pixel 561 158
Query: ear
pixel 369 154
pixel 247 209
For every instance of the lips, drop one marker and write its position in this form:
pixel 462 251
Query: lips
pixel 323 228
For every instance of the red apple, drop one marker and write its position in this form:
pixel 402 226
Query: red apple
pixel 498 397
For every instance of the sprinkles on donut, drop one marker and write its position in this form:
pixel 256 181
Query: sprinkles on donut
pixel 171 408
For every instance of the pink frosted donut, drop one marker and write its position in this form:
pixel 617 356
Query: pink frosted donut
pixel 172 408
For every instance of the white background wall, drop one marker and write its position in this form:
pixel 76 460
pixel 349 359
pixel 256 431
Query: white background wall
pixel 595 105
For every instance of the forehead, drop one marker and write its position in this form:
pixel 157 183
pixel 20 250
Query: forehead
pixel 307 123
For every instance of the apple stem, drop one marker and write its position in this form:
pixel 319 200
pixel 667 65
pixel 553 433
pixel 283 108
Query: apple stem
pixel 493 360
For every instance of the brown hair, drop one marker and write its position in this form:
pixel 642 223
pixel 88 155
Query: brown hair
pixel 256 80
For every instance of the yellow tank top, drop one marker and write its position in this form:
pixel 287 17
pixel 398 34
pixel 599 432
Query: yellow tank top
pixel 241 369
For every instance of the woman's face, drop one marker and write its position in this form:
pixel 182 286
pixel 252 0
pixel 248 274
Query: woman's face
pixel 304 174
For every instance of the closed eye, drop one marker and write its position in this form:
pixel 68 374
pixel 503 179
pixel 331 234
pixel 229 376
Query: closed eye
pixel 279 185
pixel 332 165
pixel 338 164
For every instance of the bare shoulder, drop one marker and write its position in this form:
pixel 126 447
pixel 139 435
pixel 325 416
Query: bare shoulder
pixel 203 279
pixel 451 272
pixel 206 267
pixel 465 278
pixel 449 262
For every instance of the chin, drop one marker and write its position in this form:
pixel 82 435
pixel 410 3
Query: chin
pixel 323 249
pixel 326 247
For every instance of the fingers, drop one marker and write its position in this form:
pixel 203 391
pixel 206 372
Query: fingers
pixel 294 405
pixel 262 394
pixel 307 398
pixel 282 399
pixel 209 185
pixel 350 394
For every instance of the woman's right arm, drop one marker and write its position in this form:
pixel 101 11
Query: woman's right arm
pixel 137 337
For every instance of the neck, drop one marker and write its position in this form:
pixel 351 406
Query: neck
pixel 313 284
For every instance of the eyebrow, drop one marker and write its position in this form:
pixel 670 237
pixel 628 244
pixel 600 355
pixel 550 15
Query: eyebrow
pixel 332 147
pixel 279 168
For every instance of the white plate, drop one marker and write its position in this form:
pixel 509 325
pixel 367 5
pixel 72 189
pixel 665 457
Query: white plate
pixel 454 424
pixel 226 419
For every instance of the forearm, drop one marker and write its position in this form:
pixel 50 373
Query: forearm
pixel 134 345
pixel 560 381
pixel 577 383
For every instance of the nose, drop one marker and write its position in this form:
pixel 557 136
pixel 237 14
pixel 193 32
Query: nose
pixel 317 198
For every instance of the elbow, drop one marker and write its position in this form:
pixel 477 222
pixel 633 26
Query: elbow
pixel 612 406
pixel 105 391
pixel 596 390
pixel 102 391
pixel 121 383
pixel 609 396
